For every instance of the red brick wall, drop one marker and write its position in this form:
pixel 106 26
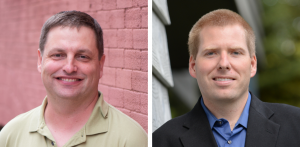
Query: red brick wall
pixel 125 26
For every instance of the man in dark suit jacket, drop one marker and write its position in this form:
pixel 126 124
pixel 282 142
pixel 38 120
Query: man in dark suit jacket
pixel 222 59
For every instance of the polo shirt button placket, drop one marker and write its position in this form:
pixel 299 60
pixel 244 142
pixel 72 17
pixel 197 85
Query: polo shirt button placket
pixel 229 141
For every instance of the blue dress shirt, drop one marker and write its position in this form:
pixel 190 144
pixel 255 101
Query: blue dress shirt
pixel 221 127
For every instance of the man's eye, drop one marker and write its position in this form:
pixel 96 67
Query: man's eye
pixel 81 56
pixel 57 55
pixel 210 53
pixel 236 53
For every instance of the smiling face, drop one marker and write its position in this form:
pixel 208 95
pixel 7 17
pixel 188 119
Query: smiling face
pixel 223 66
pixel 69 65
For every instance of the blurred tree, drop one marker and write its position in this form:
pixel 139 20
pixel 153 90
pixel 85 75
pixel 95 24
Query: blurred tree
pixel 279 81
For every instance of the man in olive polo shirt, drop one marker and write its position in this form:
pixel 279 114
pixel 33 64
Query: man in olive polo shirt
pixel 70 60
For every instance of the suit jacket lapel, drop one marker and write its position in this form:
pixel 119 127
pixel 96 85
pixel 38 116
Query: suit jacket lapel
pixel 198 132
pixel 261 132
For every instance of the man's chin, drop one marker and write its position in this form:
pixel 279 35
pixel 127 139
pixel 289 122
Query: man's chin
pixel 67 94
pixel 224 96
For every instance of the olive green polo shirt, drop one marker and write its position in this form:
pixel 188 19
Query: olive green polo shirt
pixel 106 127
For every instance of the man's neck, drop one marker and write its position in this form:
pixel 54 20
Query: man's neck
pixel 230 110
pixel 65 117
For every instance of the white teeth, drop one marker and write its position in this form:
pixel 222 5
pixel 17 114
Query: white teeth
pixel 69 80
pixel 223 79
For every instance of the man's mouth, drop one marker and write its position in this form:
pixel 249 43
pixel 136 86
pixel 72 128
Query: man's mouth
pixel 69 79
pixel 223 79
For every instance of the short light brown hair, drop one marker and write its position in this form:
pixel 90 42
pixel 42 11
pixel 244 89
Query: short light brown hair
pixel 220 17
pixel 72 19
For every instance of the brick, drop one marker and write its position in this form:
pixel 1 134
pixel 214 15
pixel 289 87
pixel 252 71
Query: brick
pixel 125 38
pixel 132 100
pixel 140 38
pixel 117 19
pixel 144 103
pixel 110 38
pixel 71 5
pixel 124 3
pixel 133 18
pixel 144 13
pixel 140 3
pixel 132 59
pixel 33 37
pixel 96 5
pixel 43 8
pixel 144 61
pixel 102 18
pixel 56 6
pixel 109 76
pixel 109 4
pixel 139 81
pixel 83 6
pixel 116 58
pixel 116 97
pixel 35 24
pixel 31 12
pixel 141 119
pixel 123 78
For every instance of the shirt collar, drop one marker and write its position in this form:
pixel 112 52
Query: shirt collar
pixel 98 123
pixel 243 120
pixel 37 121
pixel 91 127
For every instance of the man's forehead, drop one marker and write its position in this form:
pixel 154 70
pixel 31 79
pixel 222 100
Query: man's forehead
pixel 217 27
pixel 210 37
pixel 59 37
pixel 207 31
pixel 69 27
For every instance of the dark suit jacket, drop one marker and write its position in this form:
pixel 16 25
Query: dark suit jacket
pixel 269 125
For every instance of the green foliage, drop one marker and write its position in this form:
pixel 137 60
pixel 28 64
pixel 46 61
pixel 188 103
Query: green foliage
pixel 279 81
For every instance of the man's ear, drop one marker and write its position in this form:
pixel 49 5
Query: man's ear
pixel 192 64
pixel 101 64
pixel 39 63
pixel 253 66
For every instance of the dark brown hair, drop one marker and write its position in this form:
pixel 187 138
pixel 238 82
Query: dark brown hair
pixel 72 19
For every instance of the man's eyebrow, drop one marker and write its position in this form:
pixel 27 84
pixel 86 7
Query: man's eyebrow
pixel 237 48
pixel 78 51
pixel 210 49
pixel 84 51
pixel 56 50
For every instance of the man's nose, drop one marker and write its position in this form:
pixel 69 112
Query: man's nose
pixel 70 66
pixel 224 62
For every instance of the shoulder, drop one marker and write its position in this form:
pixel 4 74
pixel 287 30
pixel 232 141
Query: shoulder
pixel 127 128
pixel 18 126
pixel 288 118
pixel 284 112
pixel 275 111
pixel 168 134
pixel 172 125
pixel 21 121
